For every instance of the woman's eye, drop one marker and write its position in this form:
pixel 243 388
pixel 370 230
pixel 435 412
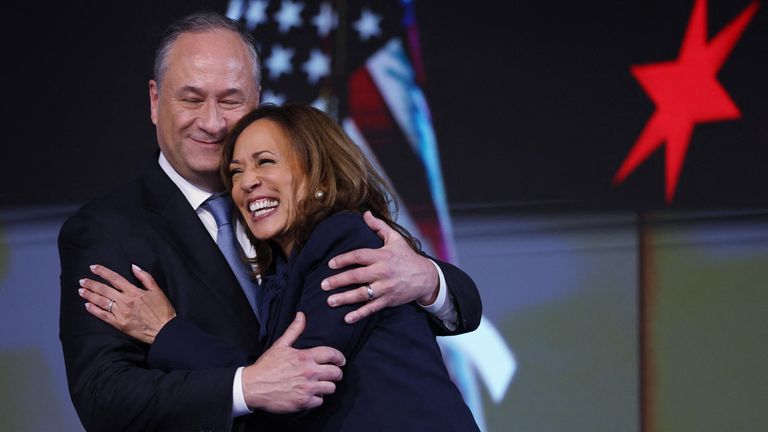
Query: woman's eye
pixel 232 172
pixel 266 162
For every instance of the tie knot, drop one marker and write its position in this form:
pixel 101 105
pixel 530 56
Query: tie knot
pixel 221 209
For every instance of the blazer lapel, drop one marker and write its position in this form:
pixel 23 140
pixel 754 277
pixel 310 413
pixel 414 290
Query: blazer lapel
pixel 187 235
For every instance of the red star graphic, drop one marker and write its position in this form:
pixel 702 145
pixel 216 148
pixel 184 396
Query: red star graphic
pixel 685 92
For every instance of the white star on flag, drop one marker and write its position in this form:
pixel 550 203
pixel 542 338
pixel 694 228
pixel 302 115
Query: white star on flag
pixel 317 66
pixel 256 14
pixel 271 97
pixel 321 103
pixel 279 61
pixel 368 25
pixel 289 15
pixel 325 20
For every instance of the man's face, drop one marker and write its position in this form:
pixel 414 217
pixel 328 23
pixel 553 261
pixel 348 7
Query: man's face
pixel 206 88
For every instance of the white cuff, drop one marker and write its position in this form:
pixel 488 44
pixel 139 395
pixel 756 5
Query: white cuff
pixel 443 307
pixel 239 407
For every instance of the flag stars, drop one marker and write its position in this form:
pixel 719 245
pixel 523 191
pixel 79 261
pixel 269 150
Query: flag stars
pixel 271 97
pixel 317 66
pixel 279 61
pixel 255 14
pixel 289 15
pixel 325 20
pixel 321 103
pixel 368 25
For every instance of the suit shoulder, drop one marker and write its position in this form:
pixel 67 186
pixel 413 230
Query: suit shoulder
pixel 112 209
pixel 338 233
pixel 346 226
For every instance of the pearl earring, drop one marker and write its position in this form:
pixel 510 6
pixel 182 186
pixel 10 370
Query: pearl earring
pixel 319 194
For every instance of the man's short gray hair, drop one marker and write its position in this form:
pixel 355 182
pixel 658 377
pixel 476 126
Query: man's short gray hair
pixel 201 22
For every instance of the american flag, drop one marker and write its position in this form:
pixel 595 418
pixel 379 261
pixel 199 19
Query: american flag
pixel 359 61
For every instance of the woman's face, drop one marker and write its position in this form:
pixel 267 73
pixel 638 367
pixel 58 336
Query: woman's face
pixel 267 181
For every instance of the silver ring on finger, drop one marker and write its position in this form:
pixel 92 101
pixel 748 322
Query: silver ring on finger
pixel 371 294
pixel 109 306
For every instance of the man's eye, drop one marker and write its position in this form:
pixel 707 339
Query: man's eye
pixel 230 104
pixel 192 100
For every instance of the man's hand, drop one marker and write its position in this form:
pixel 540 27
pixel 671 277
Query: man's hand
pixel 395 274
pixel 285 379
pixel 139 313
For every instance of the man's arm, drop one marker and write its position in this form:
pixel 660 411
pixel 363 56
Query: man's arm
pixel 109 383
pixel 397 275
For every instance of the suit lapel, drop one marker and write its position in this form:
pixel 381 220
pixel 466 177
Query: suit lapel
pixel 187 235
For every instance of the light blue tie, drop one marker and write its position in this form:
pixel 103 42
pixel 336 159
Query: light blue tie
pixel 221 208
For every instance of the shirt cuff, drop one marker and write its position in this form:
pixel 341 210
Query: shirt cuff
pixel 443 307
pixel 239 407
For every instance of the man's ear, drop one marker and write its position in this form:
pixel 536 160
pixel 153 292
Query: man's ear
pixel 153 95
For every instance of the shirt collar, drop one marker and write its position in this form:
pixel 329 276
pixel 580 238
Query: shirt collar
pixel 192 193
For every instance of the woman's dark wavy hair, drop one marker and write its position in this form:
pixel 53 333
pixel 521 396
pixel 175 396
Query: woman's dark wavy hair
pixel 332 163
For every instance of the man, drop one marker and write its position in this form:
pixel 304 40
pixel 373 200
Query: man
pixel 206 78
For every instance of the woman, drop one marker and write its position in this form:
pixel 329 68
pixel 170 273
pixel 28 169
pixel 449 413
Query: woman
pixel 301 187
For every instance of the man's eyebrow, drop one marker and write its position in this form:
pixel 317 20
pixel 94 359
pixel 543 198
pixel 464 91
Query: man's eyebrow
pixel 232 92
pixel 191 89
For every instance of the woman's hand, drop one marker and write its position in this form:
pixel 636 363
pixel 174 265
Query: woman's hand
pixel 139 313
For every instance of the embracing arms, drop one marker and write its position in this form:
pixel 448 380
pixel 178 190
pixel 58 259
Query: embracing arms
pixel 111 384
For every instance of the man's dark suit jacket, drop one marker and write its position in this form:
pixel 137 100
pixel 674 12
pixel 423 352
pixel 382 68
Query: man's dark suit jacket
pixel 150 223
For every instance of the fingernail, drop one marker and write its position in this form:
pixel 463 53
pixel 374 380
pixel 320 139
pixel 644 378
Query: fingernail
pixel 87 305
pixel 135 267
pixel 324 284
pixel 81 282
pixel 92 267
pixel 331 301
pixel 348 319
pixel 80 291
pixel 332 263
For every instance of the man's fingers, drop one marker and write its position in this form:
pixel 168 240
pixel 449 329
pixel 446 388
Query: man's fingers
pixel 365 311
pixel 358 256
pixel 293 331
pixel 325 388
pixel 313 402
pixel 380 227
pixel 355 276
pixel 357 295
pixel 323 355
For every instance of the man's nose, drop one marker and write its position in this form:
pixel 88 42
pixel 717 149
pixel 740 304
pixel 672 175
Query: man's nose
pixel 212 120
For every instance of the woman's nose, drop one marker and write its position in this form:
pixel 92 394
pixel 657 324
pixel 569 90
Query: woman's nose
pixel 250 181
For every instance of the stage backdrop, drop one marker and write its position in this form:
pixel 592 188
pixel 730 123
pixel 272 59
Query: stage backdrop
pixel 596 167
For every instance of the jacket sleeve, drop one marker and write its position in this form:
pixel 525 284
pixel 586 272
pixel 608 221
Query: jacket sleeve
pixel 110 383
pixel 181 345
pixel 466 298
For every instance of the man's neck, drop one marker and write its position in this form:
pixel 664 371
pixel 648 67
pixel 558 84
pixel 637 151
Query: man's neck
pixel 194 193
